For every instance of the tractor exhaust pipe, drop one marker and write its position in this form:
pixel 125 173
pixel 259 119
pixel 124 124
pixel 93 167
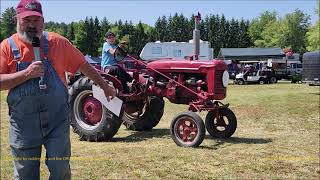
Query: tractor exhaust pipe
pixel 196 37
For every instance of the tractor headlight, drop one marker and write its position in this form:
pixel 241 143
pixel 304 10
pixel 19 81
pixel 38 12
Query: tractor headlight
pixel 225 78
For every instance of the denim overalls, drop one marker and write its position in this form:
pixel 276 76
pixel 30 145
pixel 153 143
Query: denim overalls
pixel 39 117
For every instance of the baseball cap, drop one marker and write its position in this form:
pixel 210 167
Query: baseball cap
pixel 109 34
pixel 28 8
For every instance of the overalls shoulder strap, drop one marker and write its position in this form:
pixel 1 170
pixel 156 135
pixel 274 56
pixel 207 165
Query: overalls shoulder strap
pixel 45 43
pixel 14 49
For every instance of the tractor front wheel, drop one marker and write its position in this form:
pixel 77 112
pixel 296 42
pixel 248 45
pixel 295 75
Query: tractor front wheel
pixel 187 129
pixel 221 124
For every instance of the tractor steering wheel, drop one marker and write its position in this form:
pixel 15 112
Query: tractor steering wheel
pixel 120 54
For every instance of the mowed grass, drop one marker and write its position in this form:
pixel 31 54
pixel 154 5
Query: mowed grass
pixel 277 138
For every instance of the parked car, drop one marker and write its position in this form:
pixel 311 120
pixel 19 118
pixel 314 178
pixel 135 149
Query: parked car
pixel 263 76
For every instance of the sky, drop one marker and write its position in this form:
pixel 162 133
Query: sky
pixel 149 11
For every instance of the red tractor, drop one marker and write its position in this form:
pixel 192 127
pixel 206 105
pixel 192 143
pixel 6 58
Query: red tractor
pixel 199 84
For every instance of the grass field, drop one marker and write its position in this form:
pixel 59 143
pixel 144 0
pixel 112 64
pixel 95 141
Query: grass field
pixel 277 138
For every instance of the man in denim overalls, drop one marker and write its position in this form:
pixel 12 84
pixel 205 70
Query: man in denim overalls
pixel 38 116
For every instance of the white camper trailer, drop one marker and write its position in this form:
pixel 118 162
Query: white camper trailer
pixel 175 50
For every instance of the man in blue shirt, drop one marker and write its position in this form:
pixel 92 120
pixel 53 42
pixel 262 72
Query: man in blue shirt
pixel 109 62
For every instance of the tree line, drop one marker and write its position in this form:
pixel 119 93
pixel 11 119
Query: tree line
pixel 294 30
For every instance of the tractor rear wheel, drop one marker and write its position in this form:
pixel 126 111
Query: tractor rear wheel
pixel 145 116
pixel 88 117
pixel 187 129
pixel 223 126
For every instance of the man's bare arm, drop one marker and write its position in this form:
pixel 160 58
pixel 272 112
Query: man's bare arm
pixel 9 81
pixel 90 72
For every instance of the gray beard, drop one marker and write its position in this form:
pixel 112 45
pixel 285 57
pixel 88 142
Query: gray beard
pixel 27 37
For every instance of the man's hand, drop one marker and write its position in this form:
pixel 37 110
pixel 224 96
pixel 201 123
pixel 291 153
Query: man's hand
pixel 89 71
pixel 109 91
pixel 34 70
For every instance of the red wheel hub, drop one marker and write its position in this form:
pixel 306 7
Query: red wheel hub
pixel 186 129
pixel 92 110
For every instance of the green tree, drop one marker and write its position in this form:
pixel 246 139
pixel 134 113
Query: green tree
pixel 115 29
pixel 152 34
pixel 127 28
pixel 289 31
pixel 203 27
pixel 222 33
pixel 137 40
pixel 313 41
pixel 8 24
pixel 105 27
pixel 96 37
pixel 191 27
pixel 258 25
pixel 161 27
pixel 158 28
pixel 60 28
pixel 233 37
pixel 175 28
pixel 82 36
pixel 119 24
pixel 71 32
pixel 293 33
pixel 227 35
pixel 213 34
pixel 271 36
pixel 184 23
pixel 244 38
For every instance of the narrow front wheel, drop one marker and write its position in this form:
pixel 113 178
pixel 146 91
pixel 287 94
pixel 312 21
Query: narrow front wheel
pixel 221 124
pixel 187 129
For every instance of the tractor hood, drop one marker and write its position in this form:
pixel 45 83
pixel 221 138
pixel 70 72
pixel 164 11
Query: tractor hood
pixel 186 65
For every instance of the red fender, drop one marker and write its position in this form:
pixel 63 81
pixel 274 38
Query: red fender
pixel 116 83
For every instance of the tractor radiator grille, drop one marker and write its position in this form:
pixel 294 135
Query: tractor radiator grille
pixel 218 86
